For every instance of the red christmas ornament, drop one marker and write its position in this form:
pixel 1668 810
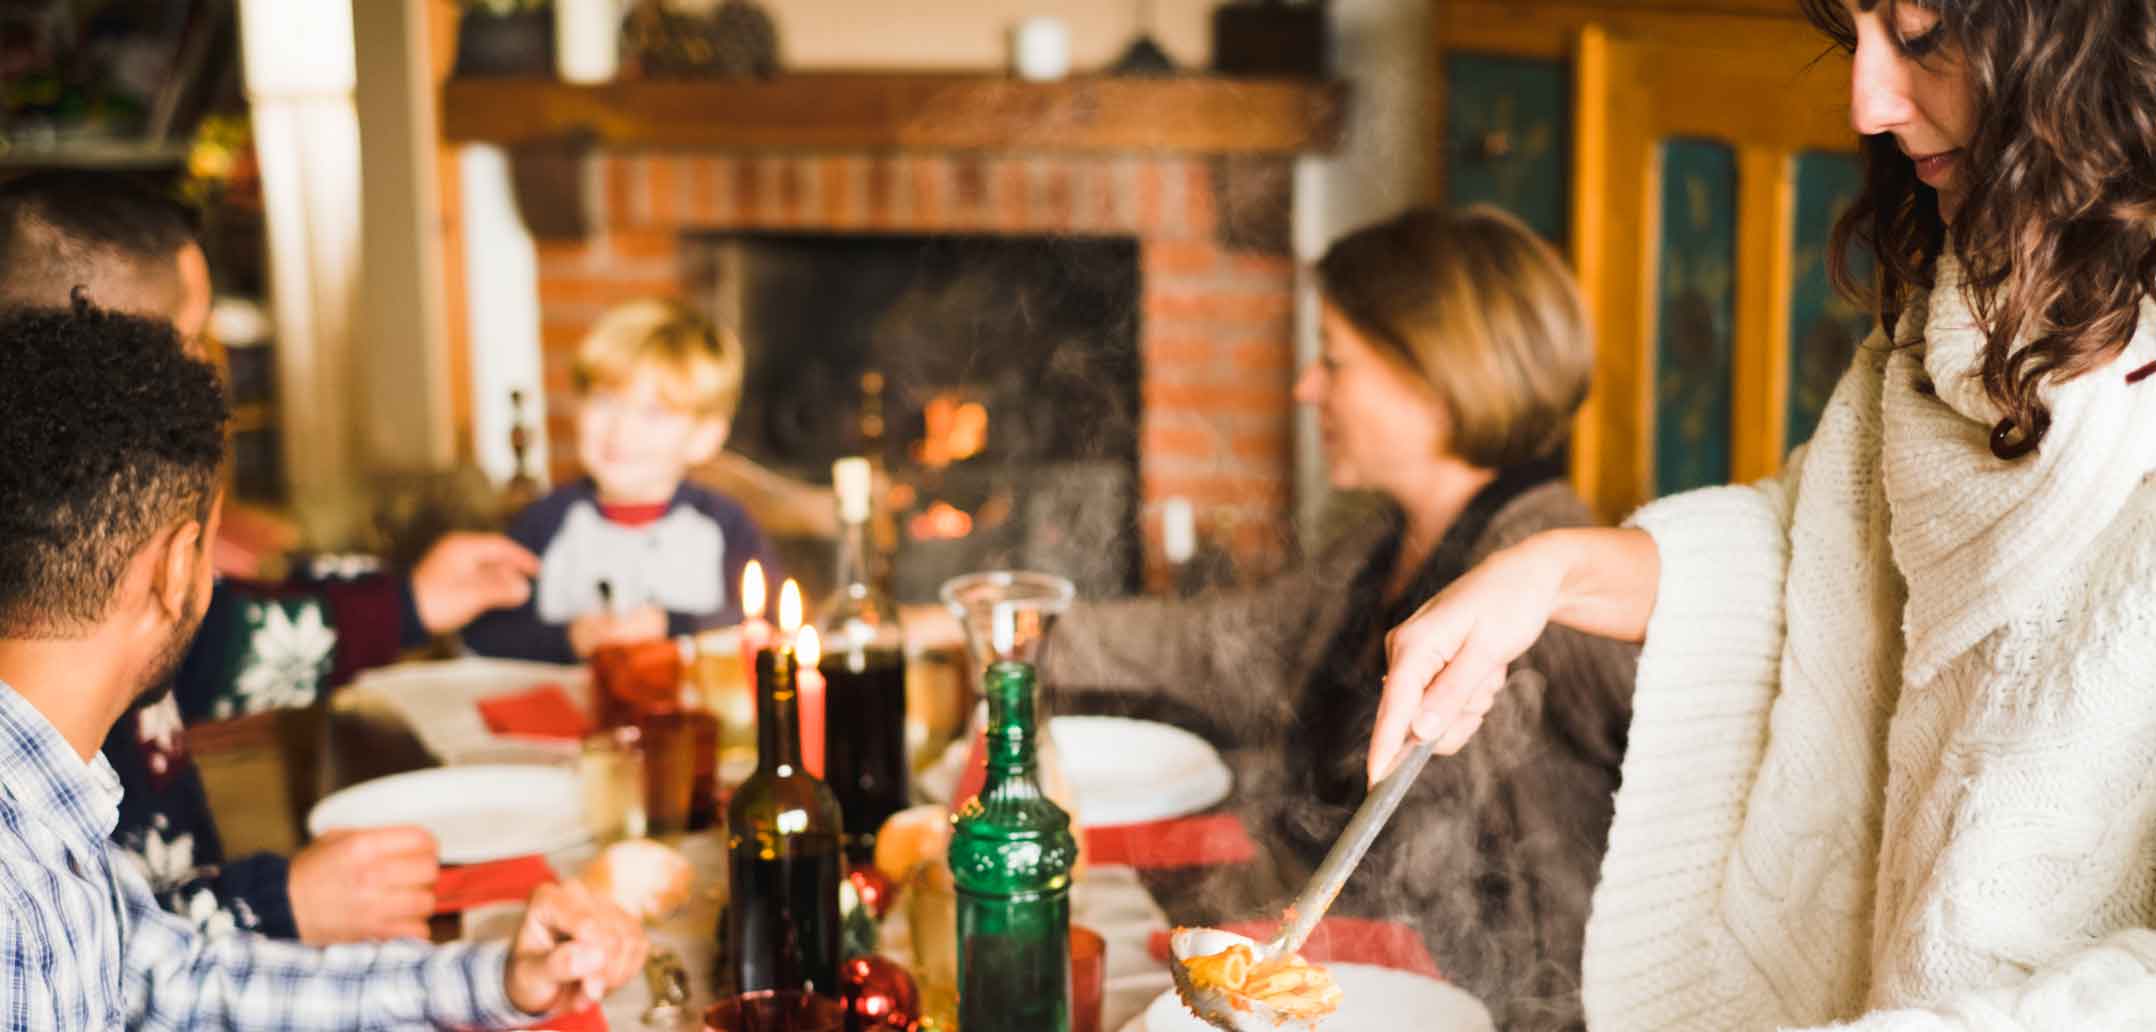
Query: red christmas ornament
pixel 879 995
pixel 874 889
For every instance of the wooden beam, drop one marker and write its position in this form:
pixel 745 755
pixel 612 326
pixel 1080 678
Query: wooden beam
pixel 930 111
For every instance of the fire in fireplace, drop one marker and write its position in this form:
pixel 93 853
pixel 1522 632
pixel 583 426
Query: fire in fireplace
pixel 995 377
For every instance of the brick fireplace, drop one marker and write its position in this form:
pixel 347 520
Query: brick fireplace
pixel 1215 296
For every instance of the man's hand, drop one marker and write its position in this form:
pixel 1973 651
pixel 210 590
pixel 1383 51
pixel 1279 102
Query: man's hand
pixel 466 574
pixel 592 630
pixel 572 949
pixel 357 886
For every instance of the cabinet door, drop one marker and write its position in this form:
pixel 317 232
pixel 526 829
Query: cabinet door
pixel 1685 229
pixel 1508 136
pixel 1825 328
pixel 1695 314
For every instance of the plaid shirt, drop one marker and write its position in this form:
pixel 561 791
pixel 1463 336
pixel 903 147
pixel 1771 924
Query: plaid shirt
pixel 84 945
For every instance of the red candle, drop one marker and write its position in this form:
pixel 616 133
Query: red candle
pixel 808 681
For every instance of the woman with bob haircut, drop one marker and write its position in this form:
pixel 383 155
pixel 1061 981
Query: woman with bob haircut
pixel 1456 352
pixel 1893 755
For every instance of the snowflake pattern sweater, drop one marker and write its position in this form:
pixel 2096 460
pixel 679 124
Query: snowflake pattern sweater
pixel 1893 755
pixel 260 648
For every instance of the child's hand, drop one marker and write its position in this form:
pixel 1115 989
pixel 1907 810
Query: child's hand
pixel 641 624
pixel 590 632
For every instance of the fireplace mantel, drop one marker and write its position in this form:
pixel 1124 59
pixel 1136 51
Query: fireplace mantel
pixel 909 110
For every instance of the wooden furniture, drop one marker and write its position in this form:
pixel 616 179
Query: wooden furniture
pixel 1691 158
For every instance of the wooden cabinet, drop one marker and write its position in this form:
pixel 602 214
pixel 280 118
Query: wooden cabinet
pixel 1691 163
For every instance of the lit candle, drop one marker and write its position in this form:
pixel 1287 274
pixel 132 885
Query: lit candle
pixel 789 614
pixel 755 630
pixel 808 682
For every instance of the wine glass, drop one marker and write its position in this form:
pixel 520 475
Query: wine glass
pixel 1006 613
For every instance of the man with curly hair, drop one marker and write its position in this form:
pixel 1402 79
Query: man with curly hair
pixel 111 441
pixel 128 248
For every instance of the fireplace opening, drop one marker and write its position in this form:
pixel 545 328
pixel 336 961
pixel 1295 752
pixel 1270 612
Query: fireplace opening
pixel 995 378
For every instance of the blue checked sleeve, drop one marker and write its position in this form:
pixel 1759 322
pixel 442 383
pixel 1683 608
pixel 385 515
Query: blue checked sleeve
pixel 38 993
pixel 179 979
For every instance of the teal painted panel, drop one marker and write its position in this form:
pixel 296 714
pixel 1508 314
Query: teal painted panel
pixel 1695 315
pixel 1508 137
pixel 1824 327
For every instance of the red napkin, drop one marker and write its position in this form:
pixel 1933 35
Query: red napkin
pixel 590 1019
pixel 1217 838
pixel 543 712
pixel 499 881
pixel 1339 940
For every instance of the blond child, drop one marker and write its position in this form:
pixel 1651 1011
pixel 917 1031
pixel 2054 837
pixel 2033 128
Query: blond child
pixel 633 551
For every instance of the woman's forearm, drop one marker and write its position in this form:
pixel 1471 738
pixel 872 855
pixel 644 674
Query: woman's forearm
pixel 1610 576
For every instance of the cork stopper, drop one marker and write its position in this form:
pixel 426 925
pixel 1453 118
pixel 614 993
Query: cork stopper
pixel 850 477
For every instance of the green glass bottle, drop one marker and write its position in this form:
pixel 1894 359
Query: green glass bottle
pixel 783 835
pixel 1011 856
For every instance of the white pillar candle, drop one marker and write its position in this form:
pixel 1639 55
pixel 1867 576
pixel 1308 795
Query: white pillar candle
pixel 1041 49
pixel 1178 530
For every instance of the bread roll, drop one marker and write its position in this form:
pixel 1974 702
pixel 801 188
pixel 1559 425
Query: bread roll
pixel 645 878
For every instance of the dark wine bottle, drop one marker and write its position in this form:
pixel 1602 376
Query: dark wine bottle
pixel 864 668
pixel 783 834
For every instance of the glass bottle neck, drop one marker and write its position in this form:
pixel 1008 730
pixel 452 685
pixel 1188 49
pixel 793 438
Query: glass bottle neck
pixel 778 711
pixel 1011 745
pixel 852 575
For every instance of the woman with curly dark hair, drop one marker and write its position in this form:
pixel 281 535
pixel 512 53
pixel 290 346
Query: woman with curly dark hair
pixel 1892 759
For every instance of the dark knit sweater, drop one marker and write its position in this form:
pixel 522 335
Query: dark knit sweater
pixel 1494 854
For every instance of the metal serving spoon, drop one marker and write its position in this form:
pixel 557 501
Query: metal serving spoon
pixel 1236 1013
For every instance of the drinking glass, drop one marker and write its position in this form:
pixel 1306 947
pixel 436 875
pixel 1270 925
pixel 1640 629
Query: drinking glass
pixel 1006 615
pixel 931 903
pixel 670 740
pixel 776 1010
pixel 728 694
pixel 1089 975
pixel 610 770
pixel 632 681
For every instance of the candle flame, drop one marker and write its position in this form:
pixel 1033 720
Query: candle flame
pixel 808 648
pixel 752 590
pixel 789 607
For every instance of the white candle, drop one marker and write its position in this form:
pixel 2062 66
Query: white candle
pixel 587 40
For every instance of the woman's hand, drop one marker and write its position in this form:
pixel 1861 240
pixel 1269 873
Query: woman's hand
pixel 1447 662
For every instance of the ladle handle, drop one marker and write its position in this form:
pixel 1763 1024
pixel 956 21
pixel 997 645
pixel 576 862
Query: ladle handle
pixel 1362 829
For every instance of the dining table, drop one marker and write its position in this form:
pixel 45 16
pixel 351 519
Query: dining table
pixel 1136 884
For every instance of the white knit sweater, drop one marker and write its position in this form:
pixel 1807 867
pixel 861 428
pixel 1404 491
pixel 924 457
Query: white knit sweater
pixel 1893 752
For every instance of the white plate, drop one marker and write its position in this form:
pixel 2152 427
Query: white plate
pixel 439 702
pixel 477 813
pixel 1133 771
pixel 1373 999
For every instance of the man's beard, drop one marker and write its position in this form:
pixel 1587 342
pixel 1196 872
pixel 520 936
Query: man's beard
pixel 159 674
